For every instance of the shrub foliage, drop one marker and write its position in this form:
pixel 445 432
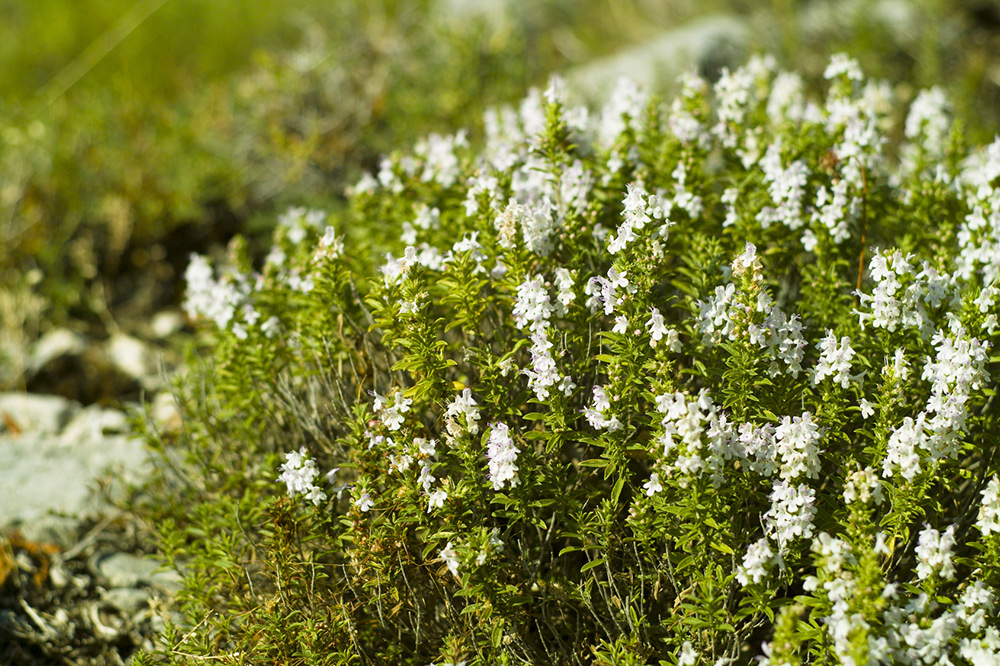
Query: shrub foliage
pixel 660 383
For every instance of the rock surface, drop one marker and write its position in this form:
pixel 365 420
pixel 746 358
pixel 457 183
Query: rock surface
pixel 76 584
pixel 705 45
pixel 53 453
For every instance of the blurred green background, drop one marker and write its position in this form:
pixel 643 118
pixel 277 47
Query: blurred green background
pixel 133 132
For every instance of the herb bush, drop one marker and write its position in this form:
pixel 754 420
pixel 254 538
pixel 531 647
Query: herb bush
pixel 699 382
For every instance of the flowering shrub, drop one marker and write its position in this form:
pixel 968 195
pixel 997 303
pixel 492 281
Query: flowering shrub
pixel 700 382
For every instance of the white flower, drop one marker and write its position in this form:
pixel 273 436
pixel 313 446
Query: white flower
pixel 299 474
pixel 934 553
pixel 657 329
pixel 905 443
pixel 271 327
pixel 566 385
pixel 543 372
pixel 795 443
pixel 364 503
pixel 653 485
pixel 426 446
pixel 494 545
pixel 758 559
pixel 501 454
pixel 218 300
pixel 426 478
pixel 333 246
pixel 834 360
pixel 688 656
pixel 791 513
pixel 366 183
pixel 835 552
pixel 400 463
pixel 532 311
pixel 297 222
pixel 747 261
pixel 863 485
pixel 450 557
pixel 927 128
pixel 620 240
pixel 621 325
pixel 556 89
pixel 436 500
pixel 715 315
pixel 464 404
pixel 440 162
pixel 392 417
pixel 843 65
pixel 867 408
pixel 469 243
pixel 565 295
pixel 624 108
pixel 988 521
pixel 674 341
pixel 881 547
pixel 596 414
pixel 316 495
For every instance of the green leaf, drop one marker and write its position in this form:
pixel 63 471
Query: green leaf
pixel 590 565
pixel 617 490
pixel 721 547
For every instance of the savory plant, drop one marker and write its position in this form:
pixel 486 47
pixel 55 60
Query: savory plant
pixel 702 382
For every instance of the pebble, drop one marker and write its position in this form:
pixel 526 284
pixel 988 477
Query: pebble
pixel 126 600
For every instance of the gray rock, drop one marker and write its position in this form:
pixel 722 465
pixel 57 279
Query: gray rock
pixel 93 423
pixel 130 356
pixel 35 413
pixel 46 473
pixel 824 18
pixel 123 570
pixel 706 45
pixel 61 531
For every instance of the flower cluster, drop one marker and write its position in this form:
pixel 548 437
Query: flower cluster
pixel 532 311
pixel 464 405
pixel 731 314
pixel 502 456
pixel 988 520
pixel 299 474
pixel 934 553
pixel 834 360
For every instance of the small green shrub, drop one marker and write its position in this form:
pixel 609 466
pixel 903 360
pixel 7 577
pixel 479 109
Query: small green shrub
pixel 700 382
